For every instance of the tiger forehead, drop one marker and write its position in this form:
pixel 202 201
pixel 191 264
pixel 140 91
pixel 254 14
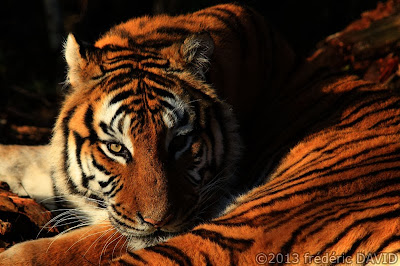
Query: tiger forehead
pixel 140 59
pixel 137 105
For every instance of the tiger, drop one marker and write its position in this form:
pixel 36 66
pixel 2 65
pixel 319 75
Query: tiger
pixel 331 199
pixel 147 142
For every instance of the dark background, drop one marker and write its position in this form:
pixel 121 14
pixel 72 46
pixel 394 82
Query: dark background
pixel 32 68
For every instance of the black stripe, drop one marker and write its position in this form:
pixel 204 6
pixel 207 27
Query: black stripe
pixel 72 187
pixel 206 259
pixel 279 218
pixel 172 253
pixel 124 262
pixel 324 187
pixel 329 172
pixel 353 248
pixel 124 108
pixel 395 105
pixel 173 30
pixel 126 225
pixel 118 81
pixel 157 65
pixel 290 178
pixel 78 144
pixel 386 120
pixel 155 44
pixel 103 184
pixel 89 125
pixel 362 106
pixel 128 66
pixel 135 56
pixel 294 177
pixel 114 186
pixel 161 80
pixel 376 218
pixel 287 247
pixel 305 156
pixel 166 105
pixel 262 192
pixel 96 198
pixel 387 242
pixel 136 257
pixel 121 96
pixel 162 92
pixel 339 171
pixel 107 130
pixel 99 166
pixel 115 193
pixel 124 216
pixel 228 243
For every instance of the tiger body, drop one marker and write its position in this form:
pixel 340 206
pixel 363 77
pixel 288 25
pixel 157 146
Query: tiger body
pixel 334 194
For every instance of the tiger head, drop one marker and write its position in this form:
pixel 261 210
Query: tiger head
pixel 142 140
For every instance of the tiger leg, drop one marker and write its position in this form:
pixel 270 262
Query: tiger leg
pixel 90 245
pixel 26 169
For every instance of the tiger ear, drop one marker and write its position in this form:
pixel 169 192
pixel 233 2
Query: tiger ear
pixel 197 50
pixel 80 67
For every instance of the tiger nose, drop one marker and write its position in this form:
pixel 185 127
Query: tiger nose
pixel 157 224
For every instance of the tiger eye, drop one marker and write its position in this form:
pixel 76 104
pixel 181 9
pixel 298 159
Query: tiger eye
pixel 115 147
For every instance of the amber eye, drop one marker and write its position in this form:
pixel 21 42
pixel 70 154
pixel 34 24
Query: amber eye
pixel 118 149
pixel 114 147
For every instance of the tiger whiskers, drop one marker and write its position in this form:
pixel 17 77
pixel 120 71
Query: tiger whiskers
pixel 115 246
pixel 127 244
pixel 67 214
pixel 84 237
pixel 64 232
pixel 61 199
pixel 108 242
pixel 102 235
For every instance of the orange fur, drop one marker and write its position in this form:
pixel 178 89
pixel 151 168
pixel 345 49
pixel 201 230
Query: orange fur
pixel 335 191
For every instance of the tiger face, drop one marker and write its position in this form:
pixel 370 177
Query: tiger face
pixel 142 140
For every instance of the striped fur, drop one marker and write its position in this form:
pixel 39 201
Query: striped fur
pixel 146 84
pixel 332 200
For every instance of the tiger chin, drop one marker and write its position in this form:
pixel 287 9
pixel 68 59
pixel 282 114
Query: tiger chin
pixel 142 141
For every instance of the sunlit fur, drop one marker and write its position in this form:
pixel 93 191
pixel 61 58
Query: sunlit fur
pixel 326 183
